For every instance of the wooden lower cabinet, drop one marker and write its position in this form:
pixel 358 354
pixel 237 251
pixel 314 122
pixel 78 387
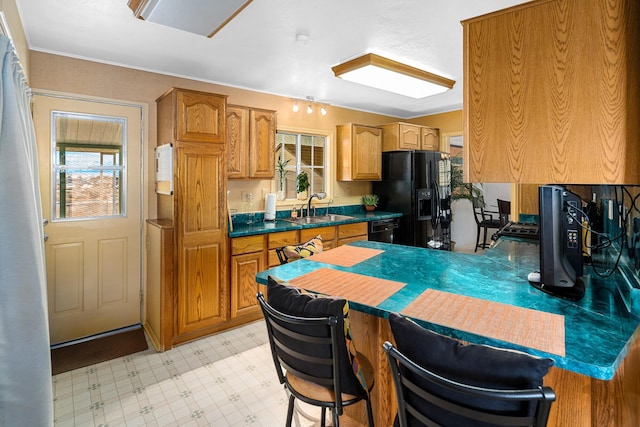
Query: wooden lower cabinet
pixel 243 282
pixel 328 235
pixel 247 260
pixel 348 233
pixel 204 304
pixel 277 240
pixel 158 299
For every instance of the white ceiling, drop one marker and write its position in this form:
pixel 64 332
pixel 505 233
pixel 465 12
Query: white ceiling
pixel 257 50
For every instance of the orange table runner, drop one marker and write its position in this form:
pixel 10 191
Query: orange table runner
pixel 522 326
pixel 354 287
pixel 345 256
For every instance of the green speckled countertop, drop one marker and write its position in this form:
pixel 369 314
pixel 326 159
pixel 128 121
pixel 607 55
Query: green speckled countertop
pixel 598 329
pixel 241 228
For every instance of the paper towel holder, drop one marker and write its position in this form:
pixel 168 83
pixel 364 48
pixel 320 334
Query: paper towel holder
pixel 270 207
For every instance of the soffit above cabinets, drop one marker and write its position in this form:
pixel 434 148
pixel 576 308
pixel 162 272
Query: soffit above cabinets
pixel 203 17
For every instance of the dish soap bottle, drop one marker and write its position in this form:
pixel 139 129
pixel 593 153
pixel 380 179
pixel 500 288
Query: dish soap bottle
pixel 294 212
pixel 251 214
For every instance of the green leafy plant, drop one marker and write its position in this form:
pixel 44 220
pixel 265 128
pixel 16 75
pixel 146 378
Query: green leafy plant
pixel 461 190
pixel 370 200
pixel 282 171
pixel 302 181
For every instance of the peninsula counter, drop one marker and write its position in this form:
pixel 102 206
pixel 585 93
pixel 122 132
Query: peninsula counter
pixel 593 342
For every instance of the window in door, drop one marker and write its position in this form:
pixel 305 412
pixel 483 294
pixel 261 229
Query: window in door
pixel 88 166
pixel 302 153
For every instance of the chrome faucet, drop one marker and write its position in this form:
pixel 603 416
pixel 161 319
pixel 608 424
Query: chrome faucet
pixel 329 205
pixel 318 196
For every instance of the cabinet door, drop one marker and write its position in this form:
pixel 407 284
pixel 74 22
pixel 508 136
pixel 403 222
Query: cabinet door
pixel 359 153
pixel 430 138
pixel 237 142
pixel 367 153
pixel 202 295
pixel 547 93
pixel 262 136
pixel 243 283
pixel 408 137
pixel 346 231
pixel 200 117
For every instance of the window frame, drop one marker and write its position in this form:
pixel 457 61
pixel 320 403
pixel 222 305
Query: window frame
pixel 62 169
pixel 326 167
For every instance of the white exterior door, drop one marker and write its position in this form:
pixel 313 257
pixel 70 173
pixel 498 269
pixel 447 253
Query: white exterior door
pixel 90 170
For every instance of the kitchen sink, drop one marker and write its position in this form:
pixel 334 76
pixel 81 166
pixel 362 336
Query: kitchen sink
pixel 307 220
pixel 333 217
pixel 318 219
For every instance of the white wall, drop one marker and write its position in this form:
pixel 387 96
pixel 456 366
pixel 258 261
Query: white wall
pixel 463 227
pixel 493 192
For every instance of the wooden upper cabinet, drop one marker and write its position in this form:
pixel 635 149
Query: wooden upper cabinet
pixel 251 135
pixel 551 93
pixel 400 136
pixel 194 116
pixel 262 163
pixel 237 141
pixel 407 136
pixel 430 138
pixel 359 153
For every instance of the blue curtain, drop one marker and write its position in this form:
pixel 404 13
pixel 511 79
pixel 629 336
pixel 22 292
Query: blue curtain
pixel 26 397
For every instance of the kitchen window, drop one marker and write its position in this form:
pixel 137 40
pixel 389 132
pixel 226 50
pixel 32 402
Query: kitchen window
pixel 88 166
pixel 302 152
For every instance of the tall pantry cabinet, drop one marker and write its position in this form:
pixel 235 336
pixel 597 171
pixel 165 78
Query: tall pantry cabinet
pixel 194 122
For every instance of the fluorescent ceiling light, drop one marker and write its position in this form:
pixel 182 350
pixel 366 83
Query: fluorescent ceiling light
pixel 204 17
pixel 386 74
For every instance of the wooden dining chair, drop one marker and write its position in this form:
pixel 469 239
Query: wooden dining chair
pixel 484 221
pixel 504 212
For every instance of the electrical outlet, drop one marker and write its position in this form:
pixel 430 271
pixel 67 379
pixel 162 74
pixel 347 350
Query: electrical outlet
pixel 245 196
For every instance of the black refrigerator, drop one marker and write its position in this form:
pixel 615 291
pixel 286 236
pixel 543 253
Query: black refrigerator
pixel 418 185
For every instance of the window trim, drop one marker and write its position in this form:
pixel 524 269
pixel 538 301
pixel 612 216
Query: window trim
pixel 328 159
pixel 62 167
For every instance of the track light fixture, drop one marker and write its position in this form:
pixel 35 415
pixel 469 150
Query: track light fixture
pixel 309 107
pixel 311 104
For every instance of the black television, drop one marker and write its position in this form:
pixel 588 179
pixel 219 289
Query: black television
pixel 561 266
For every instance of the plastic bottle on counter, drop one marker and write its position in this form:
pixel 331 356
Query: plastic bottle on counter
pixel 250 212
pixel 294 212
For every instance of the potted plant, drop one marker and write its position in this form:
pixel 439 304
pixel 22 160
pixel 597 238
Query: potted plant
pixel 370 201
pixel 302 181
pixel 464 190
pixel 282 173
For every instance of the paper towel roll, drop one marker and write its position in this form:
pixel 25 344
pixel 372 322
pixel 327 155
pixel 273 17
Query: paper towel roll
pixel 270 207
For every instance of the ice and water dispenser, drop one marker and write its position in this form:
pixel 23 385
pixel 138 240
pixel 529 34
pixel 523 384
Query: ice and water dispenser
pixel 424 203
